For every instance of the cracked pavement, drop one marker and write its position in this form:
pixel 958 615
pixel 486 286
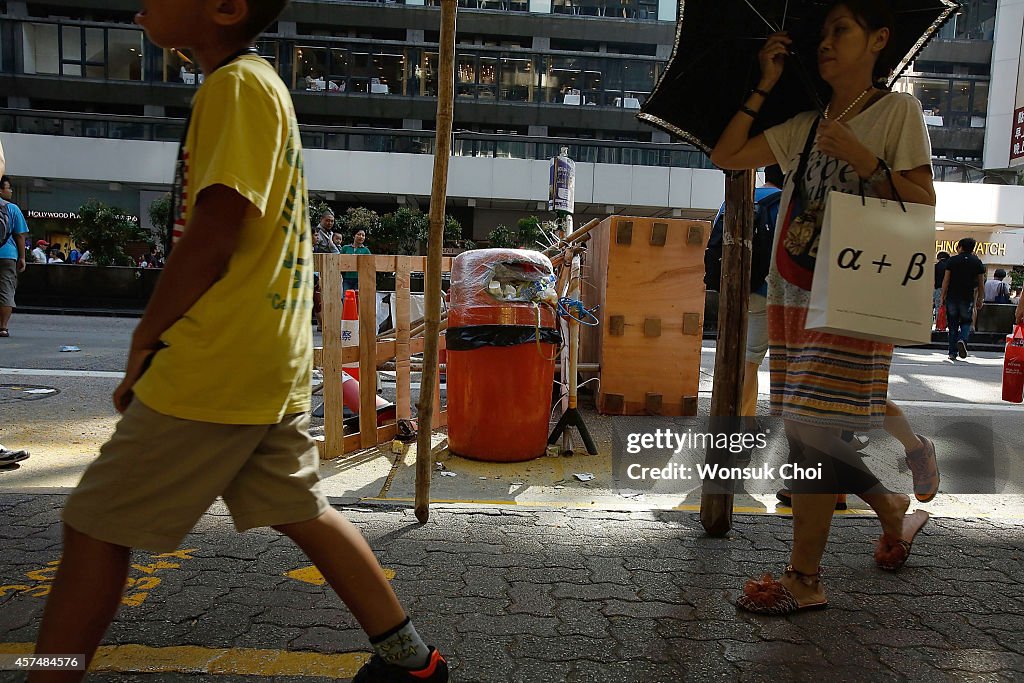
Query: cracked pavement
pixel 539 595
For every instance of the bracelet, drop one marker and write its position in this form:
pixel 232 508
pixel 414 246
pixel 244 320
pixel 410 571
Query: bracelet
pixel 758 91
pixel 880 174
pixel 748 111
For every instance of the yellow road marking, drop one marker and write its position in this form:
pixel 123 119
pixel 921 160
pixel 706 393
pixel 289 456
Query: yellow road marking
pixel 136 589
pixel 214 661
pixel 563 504
pixel 312 575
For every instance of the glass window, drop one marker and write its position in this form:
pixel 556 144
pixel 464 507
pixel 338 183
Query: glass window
pixel 572 80
pixel 465 75
pixel 361 71
pixel 933 94
pixel 40 49
pixel 95 53
pixel 71 43
pixel 311 68
pixel 339 70
pixel 517 79
pixel 388 73
pixel 488 77
pixel 979 109
pixel 428 74
pixel 124 55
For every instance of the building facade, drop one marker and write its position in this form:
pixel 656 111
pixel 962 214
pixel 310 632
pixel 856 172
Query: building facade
pixel 90 108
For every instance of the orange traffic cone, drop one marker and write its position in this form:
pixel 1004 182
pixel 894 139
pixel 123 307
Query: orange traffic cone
pixel 350 329
pixel 350 396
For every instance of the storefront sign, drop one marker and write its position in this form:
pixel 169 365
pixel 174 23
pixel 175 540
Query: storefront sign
pixel 997 247
pixel 1017 138
pixel 982 248
pixel 67 216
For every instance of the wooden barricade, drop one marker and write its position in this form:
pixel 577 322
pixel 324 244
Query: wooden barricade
pixel 372 352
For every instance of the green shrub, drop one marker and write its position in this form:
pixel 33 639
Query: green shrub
pixel 106 231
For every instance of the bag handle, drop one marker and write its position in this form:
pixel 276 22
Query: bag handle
pixel 892 184
pixel 805 156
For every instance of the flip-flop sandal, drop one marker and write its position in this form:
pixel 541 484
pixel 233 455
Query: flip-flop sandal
pixel 769 597
pixel 891 554
pixel 785 498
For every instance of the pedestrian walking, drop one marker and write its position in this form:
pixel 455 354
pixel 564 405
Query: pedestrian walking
pixel 196 425
pixel 322 241
pixel 350 278
pixel 938 315
pixel 963 295
pixel 12 252
pixel 39 254
pixel 996 289
pixel 823 383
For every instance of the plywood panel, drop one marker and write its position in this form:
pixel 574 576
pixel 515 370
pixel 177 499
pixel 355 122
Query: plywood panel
pixel 644 282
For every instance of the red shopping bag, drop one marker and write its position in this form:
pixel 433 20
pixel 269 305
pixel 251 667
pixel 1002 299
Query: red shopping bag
pixel 940 320
pixel 1013 366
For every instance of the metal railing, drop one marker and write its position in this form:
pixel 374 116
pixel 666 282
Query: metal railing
pixel 364 139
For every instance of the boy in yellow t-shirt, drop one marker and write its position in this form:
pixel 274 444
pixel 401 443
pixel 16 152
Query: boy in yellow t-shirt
pixel 196 424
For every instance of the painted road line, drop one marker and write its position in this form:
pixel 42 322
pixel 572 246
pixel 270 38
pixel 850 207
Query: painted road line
pixel 32 372
pixel 141 580
pixel 312 575
pixel 190 659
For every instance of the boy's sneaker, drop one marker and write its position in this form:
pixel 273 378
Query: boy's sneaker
pixel 379 671
pixel 925 470
pixel 961 348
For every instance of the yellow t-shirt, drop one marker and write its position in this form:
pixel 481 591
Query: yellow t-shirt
pixel 242 354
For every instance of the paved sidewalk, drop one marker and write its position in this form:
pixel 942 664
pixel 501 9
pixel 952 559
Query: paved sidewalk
pixel 538 596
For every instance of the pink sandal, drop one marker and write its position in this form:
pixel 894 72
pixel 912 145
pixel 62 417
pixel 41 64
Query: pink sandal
pixel 770 597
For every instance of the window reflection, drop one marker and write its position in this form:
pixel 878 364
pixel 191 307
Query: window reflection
pixel 518 79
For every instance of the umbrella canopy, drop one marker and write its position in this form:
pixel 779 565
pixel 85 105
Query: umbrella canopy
pixel 714 62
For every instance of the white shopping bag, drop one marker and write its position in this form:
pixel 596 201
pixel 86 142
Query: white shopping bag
pixel 873 273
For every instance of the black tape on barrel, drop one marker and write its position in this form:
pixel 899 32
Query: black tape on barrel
pixel 479 336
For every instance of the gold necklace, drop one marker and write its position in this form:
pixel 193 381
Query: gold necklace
pixel 852 104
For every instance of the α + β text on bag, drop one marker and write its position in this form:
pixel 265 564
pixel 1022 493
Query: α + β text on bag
pixel 872 278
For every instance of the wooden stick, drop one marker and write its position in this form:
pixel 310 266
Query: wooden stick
pixel 330 290
pixel 367 350
pixel 403 401
pixel 733 299
pixel 573 236
pixel 432 284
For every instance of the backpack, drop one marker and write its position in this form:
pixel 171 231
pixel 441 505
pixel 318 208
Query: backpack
pixel 761 245
pixel 6 231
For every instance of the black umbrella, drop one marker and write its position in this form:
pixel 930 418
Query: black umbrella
pixel 714 62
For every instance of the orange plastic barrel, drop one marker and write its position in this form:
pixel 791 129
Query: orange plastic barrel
pixel 499 376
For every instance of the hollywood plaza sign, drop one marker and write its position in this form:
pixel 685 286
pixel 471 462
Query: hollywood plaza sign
pixel 67 216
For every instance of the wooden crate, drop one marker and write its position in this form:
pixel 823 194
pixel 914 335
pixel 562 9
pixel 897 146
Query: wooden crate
pixel 647 274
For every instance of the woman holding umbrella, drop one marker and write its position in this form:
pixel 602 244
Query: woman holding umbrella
pixel 823 383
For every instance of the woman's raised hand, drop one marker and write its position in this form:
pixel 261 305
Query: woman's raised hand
pixel 772 58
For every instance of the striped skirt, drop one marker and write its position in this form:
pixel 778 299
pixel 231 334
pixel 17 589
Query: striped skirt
pixel 824 379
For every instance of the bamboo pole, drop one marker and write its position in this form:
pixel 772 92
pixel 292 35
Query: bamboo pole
pixel 432 284
pixel 730 348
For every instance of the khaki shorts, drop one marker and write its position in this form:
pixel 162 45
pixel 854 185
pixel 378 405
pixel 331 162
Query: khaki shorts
pixel 8 281
pixel 158 474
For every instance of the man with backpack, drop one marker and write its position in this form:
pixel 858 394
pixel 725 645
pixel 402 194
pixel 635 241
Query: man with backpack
pixel 766 211
pixel 12 252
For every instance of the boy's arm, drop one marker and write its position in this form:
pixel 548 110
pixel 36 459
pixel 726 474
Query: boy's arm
pixel 198 260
